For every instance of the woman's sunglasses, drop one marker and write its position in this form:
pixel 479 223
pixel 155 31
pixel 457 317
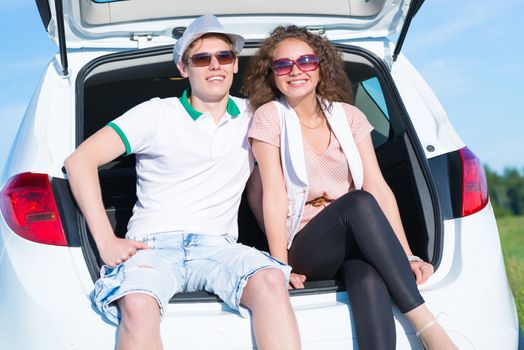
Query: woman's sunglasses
pixel 203 59
pixel 305 63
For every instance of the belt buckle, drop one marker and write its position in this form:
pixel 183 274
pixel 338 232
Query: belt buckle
pixel 319 202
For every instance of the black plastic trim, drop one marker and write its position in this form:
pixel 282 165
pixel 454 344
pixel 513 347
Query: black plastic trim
pixel 441 174
pixel 67 210
pixel 312 287
pixel 414 6
pixel 456 173
pixel 45 12
pixel 448 172
pixel 385 75
pixel 61 36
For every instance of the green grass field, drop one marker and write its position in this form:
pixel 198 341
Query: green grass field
pixel 511 230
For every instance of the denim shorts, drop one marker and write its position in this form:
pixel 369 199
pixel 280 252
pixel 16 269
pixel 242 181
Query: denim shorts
pixel 182 262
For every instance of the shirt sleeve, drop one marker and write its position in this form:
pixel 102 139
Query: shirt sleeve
pixel 265 125
pixel 137 126
pixel 359 124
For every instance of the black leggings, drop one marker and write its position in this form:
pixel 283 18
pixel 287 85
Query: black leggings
pixel 353 238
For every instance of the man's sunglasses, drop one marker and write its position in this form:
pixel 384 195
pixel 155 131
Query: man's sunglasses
pixel 203 59
pixel 305 63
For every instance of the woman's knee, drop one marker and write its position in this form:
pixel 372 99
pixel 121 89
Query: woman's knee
pixel 359 199
pixel 357 204
pixel 362 213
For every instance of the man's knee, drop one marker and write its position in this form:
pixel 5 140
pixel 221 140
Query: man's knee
pixel 136 308
pixel 267 285
pixel 269 279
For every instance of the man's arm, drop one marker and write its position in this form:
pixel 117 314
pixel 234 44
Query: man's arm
pixel 82 171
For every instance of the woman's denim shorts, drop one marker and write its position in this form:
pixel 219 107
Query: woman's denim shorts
pixel 183 262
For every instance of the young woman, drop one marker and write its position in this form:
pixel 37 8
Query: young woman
pixel 327 209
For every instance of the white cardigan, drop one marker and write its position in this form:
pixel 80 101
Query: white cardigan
pixel 294 165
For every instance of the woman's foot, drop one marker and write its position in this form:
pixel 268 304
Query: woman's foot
pixel 434 337
pixel 430 332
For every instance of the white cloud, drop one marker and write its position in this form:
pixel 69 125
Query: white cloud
pixel 446 78
pixel 22 73
pixel 511 69
pixel 460 20
pixel 35 63
pixel 6 5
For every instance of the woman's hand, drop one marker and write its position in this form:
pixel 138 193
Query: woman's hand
pixel 422 270
pixel 296 281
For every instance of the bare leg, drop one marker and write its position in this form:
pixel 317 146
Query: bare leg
pixel 140 324
pixel 274 321
pixel 433 336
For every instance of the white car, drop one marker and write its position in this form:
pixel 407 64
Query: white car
pixel 116 54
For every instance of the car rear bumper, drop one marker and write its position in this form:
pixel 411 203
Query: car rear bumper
pixel 45 302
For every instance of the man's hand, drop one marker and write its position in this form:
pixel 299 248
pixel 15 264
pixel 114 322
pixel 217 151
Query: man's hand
pixel 296 280
pixel 117 250
pixel 422 270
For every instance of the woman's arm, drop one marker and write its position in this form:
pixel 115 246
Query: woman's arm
pixel 274 204
pixel 375 184
pixel 82 172
pixel 274 198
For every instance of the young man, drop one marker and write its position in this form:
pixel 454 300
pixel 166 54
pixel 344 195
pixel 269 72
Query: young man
pixel 192 162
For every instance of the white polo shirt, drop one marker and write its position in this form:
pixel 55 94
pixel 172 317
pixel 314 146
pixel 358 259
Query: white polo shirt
pixel 190 170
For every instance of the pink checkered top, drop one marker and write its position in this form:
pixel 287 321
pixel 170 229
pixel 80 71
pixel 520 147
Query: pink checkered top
pixel 328 173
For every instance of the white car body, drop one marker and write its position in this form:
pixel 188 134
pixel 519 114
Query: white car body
pixel 45 289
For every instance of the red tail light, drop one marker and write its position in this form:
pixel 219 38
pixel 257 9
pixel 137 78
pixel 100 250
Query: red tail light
pixel 474 184
pixel 29 208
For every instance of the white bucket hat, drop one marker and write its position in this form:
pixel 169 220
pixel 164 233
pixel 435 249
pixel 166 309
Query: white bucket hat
pixel 203 25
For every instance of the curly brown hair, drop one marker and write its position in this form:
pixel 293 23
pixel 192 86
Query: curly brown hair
pixel 258 82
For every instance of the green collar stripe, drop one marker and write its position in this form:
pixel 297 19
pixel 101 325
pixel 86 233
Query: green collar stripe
pixel 232 108
pixel 193 113
pixel 122 136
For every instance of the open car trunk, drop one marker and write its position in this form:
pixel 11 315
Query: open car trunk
pixel 110 85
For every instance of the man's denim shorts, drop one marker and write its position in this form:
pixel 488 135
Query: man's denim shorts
pixel 183 262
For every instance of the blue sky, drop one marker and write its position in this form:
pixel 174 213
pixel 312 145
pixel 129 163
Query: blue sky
pixel 470 52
